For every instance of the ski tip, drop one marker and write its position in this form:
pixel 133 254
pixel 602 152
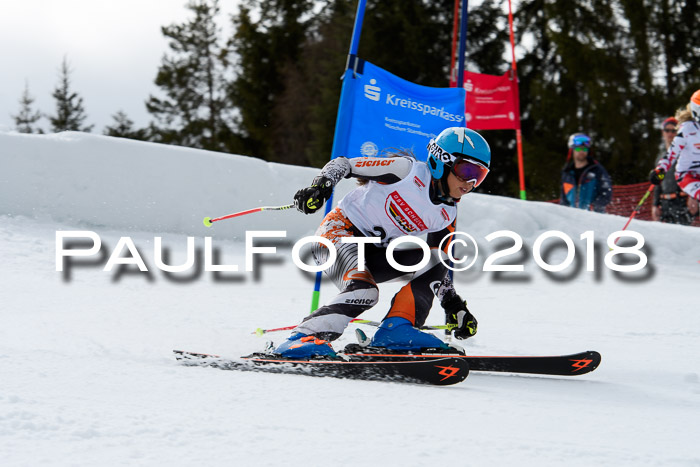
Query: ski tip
pixel 259 331
pixel 585 362
pixel 207 222
pixel 596 357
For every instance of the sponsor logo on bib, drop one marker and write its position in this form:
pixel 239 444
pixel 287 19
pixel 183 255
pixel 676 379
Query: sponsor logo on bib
pixel 403 215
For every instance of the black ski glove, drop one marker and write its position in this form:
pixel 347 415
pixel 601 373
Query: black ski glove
pixel 656 175
pixel 458 314
pixel 311 199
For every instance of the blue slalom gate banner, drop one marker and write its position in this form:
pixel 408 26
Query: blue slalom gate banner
pixel 380 111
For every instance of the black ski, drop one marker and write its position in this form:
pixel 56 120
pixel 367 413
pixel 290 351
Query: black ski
pixel 441 370
pixel 560 365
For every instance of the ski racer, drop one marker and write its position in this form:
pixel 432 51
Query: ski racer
pixel 685 149
pixel 398 196
pixel 585 183
pixel 671 204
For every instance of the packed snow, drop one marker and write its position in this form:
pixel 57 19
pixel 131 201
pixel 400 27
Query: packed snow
pixel 87 375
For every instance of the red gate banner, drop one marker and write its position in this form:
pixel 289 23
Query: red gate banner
pixel 492 102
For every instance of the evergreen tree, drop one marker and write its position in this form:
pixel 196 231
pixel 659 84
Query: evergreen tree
pixel 488 38
pixel 421 33
pixel 27 117
pixel 268 49
pixel 123 127
pixel 70 113
pixel 674 38
pixel 305 111
pixel 194 112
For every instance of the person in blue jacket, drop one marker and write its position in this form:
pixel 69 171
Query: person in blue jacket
pixel 585 183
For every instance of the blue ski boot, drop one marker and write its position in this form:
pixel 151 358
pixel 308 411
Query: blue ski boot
pixel 399 334
pixel 301 346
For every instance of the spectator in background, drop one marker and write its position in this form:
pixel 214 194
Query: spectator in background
pixel 585 183
pixel 671 204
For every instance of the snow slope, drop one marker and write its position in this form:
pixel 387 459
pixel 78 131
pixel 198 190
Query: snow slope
pixel 87 377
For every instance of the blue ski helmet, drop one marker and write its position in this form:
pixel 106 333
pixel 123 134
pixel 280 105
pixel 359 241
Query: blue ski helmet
pixel 453 143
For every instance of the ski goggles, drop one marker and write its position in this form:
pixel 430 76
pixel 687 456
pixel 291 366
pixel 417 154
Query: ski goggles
pixel 580 140
pixel 469 170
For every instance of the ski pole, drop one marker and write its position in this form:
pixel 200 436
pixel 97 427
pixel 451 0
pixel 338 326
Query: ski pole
pixel 261 331
pixel 208 221
pixel 429 328
pixel 638 207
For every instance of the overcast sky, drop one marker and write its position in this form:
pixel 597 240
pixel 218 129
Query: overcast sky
pixel 114 48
